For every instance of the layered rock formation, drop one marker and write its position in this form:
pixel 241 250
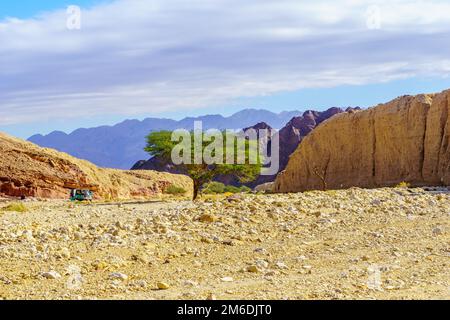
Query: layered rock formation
pixel 404 140
pixel 30 171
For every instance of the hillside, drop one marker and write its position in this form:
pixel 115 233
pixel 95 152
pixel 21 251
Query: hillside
pixel 31 171
pixel 407 139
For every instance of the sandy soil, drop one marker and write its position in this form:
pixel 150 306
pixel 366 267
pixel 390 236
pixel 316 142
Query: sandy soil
pixel 352 244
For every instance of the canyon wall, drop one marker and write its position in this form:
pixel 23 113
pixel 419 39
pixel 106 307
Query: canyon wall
pixel 406 139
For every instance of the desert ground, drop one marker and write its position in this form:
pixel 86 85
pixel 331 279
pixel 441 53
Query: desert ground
pixel 390 243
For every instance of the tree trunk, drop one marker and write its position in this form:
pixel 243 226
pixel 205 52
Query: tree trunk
pixel 322 177
pixel 196 188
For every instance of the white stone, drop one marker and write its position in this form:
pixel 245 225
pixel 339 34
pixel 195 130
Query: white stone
pixel 227 279
pixel 118 276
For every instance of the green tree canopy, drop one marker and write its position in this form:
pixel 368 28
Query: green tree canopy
pixel 160 144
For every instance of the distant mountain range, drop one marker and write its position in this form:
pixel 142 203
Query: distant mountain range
pixel 121 145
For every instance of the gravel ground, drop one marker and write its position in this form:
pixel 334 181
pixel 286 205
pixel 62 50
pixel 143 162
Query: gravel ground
pixel 351 244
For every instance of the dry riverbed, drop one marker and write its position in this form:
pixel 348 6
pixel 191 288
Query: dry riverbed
pixel 351 244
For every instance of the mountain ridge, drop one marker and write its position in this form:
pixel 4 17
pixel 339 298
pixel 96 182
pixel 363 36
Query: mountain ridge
pixel 121 145
pixel 282 114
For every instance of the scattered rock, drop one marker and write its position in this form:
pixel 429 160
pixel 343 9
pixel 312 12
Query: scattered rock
pixel 227 279
pixel 163 285
pixel 229 242
pixel 209 218
pixel 261 250
pixel 262 264
pixel 275 249
pixel 118 276
pixel 190 283
pixel 437 231
pixel 236 198
pixel 211 296
pixel 51 275
pixel 65 253
pixel 139 284
pixel 253 269
pixel 281 265
pixel 5 280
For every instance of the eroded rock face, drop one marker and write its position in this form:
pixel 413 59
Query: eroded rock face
pixel 30 171
pixel 406 139
pixel 298 128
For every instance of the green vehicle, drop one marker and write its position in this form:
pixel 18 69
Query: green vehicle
pixel 81 195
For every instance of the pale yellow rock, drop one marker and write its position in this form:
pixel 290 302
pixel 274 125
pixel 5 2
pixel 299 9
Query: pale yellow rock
pixel 163 285
pixel 253 269
pixel 406 139
pixel 208 218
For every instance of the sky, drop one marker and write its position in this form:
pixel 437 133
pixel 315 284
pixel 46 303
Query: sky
pixel 113 60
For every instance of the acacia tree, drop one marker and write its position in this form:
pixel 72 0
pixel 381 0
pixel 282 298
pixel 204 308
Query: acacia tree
pixel 161 145
pixel 322 174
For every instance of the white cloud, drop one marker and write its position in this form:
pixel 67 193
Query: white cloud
pixel 150 56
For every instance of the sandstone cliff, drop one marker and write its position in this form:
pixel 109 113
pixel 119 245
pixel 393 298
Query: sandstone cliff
pixel 404 140
pixel 298 128
pixel 31 171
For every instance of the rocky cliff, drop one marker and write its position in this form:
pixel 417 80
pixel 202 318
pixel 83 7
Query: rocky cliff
pixel 404 140
pixel 31 171
pixel 298 128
